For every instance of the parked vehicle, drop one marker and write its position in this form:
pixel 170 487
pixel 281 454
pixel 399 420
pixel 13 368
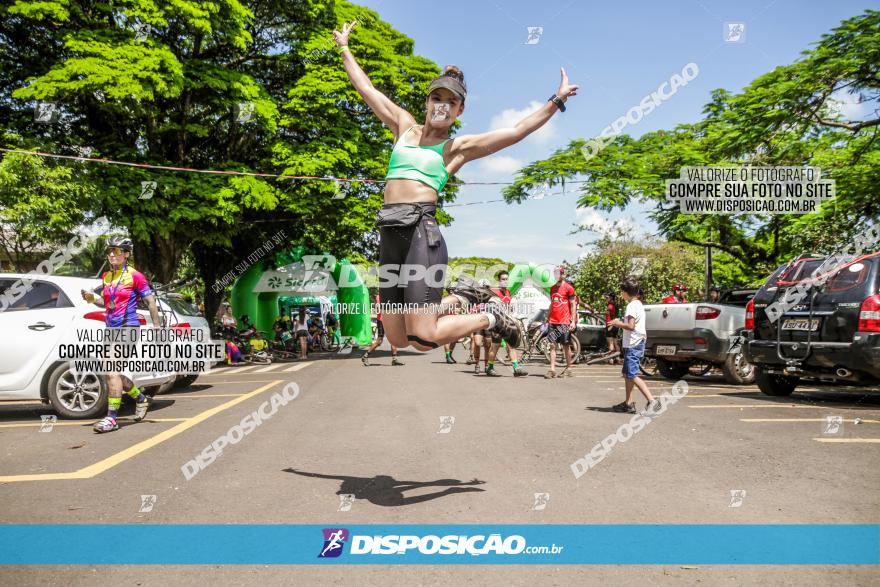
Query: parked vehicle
pixel 177 312
pixel 34 326
pixel 832 333
pixel 682 337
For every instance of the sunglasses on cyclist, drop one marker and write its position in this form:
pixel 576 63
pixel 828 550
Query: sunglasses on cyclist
pixel 115 251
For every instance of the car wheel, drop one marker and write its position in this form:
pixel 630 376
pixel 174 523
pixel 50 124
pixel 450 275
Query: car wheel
pixel 672 370
pixel 776 385
pixel 184 381
pixel 737 370
pixel 150 391
pixel 76 395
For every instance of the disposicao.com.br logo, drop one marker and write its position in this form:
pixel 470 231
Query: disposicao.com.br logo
pixel 335 539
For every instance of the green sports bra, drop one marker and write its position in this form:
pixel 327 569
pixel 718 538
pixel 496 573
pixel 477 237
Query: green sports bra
pixel 424 164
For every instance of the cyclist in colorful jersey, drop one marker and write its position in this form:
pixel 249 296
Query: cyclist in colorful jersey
pixel 562 320
pixel 421 162
pixel 505 296
pixel 123 286
pixel 380 336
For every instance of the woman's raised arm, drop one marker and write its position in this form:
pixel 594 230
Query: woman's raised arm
pixel 394 117
pixel 470 147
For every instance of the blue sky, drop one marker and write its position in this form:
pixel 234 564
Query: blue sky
pixel 618 52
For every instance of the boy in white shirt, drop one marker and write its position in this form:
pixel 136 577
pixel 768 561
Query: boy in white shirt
pixel 634 337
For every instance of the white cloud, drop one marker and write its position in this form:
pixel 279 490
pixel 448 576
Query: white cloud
pixel 848 105
pixel 605 225
pixel 509 117
pixel 501 164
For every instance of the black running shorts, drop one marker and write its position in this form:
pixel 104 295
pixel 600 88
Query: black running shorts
pixel 412 262
pixel 559 333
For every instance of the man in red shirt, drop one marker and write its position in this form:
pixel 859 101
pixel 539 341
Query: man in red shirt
pixel 677 296
pixel 562 321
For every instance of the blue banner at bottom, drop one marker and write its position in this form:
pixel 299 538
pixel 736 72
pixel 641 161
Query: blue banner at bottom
pixel 97 544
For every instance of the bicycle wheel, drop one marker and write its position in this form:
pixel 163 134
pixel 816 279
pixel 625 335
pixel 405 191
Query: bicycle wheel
pixel 699 368
pixel 544 343
pixel 648 366
pixel 328 343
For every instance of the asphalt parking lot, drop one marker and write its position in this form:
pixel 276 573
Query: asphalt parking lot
pixel 433 443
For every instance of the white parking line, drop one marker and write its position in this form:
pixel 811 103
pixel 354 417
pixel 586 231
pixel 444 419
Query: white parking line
pixel 297 367
pixel 850 440
pixel 804 420
pixel 269 368
pixel 771 405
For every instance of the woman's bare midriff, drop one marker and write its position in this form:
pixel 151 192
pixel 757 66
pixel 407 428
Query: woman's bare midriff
pixel 399 191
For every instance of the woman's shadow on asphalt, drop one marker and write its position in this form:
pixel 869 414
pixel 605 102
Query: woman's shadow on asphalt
pixel 386 491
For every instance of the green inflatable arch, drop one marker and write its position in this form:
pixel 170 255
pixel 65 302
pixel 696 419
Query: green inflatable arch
pixel 262 307
pixel 540 275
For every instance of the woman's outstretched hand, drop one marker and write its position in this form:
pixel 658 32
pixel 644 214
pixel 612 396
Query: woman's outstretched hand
pixel 342 38
pixel 565 89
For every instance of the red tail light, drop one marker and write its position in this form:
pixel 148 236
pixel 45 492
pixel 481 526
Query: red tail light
pixel 96 315
pixel 707 313
pixel 869 315
pixel 699 340
pixel 750 315
pixel 182 325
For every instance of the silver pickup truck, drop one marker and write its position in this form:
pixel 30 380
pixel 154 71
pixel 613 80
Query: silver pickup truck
pixel 680 335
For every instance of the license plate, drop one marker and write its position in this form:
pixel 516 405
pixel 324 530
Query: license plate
pixel 665 349
pixel 800 324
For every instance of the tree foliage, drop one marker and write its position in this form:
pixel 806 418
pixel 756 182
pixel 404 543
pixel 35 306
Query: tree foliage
pixel 175 97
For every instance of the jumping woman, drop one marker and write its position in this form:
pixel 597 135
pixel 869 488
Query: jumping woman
pixel 422 160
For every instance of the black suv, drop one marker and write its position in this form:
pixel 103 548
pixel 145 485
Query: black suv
pixel 829 331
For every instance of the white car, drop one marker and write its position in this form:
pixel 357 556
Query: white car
pixel 33 325
pixel 177 311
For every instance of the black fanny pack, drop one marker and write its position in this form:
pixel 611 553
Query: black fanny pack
pixel 402 215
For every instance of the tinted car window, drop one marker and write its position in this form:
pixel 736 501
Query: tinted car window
pixel 181 306
pixel 849 277
pixel 798 271
pixel 41 296
pixel 737 297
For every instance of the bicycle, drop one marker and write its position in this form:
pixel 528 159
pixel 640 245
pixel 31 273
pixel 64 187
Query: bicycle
pixel 648 366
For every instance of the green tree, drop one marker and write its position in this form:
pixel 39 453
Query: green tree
pixel 173 98
pixel 664 264
pixel 41 204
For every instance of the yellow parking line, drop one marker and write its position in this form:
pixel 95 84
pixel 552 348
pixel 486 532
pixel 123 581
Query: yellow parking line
pixel 198 395
pixel 34 424
pixel 850 440
pixel 803 420
pixel 113 460
pixel 225 382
